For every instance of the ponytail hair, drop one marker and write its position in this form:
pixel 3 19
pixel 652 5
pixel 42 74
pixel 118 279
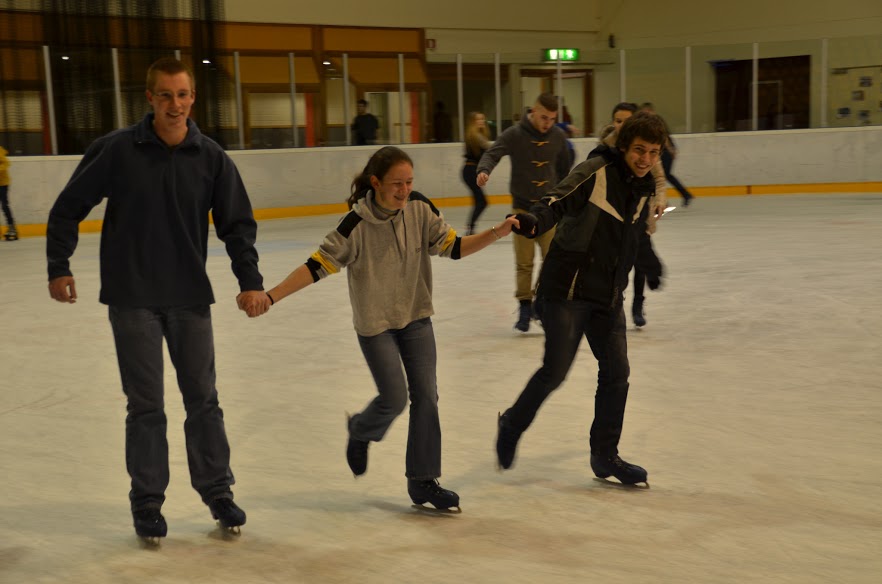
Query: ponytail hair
pixel 378 165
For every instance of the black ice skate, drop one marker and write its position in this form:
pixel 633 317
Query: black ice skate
pixel 430 491
pixel 627 473
pixel 637 314
pixel 11 234
pixel 150 525
pixel 356 452
pixel 228 514
pixel 525 314
pixel 506 442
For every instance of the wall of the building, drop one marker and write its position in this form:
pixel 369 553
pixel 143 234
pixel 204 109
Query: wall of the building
pixel 647 23
pixel 523 15
pixel 321 176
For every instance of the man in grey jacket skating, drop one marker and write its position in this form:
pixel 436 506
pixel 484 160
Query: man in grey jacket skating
pixel 539 160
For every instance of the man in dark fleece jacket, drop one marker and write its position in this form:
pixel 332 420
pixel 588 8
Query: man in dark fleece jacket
pixel 599 210
pixel 162 178
pixel 539 159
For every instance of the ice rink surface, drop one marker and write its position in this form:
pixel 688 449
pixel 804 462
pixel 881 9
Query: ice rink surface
pixel 755 405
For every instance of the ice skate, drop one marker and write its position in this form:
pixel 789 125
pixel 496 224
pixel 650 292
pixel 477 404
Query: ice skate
pixel 506 443
pixel 11 234
pixel 356 452
pixel 637 315
pixel 430 491
pixel 227 514
pixel 525 314
pixel 627 473
pixel 150 525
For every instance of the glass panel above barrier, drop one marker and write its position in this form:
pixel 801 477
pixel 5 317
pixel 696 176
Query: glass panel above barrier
pixel 478 93
pixel 789 85
pixel 84 96
pixel 854 82
pixel 22 103
pixel 721 87
pixel 658 76
pixel 573 82
pixel 215 109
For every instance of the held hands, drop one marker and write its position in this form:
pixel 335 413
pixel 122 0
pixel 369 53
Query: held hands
pixel 483 177
pixel 63 289
pixel 526 224
pixel 253 302
pixel 506 227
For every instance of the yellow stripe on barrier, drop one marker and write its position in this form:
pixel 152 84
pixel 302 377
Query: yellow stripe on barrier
pixel 39 229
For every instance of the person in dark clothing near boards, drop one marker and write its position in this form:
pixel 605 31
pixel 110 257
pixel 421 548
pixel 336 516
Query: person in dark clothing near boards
pixel 539 159
pixel 600 209
pixel 364 125
pixel 162 178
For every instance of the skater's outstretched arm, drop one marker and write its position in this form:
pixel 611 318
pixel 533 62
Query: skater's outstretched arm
pixel 475 243
pixel 296 280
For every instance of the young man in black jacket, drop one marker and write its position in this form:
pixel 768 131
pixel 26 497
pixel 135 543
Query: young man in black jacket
pixel 599 210
pixel 162 178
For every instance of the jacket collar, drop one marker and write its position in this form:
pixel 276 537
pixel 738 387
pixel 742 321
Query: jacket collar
pixel 144 134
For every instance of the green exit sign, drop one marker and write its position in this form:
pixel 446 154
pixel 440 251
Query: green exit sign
pixel 560 54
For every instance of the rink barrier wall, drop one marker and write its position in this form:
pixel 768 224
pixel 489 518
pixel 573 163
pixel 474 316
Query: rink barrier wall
pixel 316 181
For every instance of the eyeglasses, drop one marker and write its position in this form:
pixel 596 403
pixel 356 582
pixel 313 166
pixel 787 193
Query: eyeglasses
pixel 182 95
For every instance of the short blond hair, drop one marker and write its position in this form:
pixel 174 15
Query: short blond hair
pixel 169 66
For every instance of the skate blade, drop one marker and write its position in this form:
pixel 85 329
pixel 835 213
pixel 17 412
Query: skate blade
pixel 234 530
pixel 435 511
pixel 642 485
pixel 149 541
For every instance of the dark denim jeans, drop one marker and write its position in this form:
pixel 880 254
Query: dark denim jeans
pixel 402 362
pixel 138 333
pixel 565 321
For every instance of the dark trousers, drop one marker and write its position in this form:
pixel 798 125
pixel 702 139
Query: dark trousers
pixel 565 322
pixel 138 333
pixel 403 362
pixel 4 202
pixel 646 266
pixel 667 164
pixel 470 177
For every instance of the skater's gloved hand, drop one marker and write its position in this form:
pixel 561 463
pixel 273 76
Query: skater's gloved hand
pixel 526 224
pixel 63 289
pixel 654 282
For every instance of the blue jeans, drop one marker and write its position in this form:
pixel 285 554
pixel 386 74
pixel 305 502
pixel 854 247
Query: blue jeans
pixel 565 321
pixel 138 333
pixel 402 362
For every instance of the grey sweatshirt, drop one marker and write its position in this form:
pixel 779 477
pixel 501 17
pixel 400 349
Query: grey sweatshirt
pixel 388 261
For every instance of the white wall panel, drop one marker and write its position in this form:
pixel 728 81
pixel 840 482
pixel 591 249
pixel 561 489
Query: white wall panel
pixel 318 176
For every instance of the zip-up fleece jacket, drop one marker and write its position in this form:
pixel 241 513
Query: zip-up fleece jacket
pixel 388 261
pixel 538 161
pixel 599 209
pixel 154 241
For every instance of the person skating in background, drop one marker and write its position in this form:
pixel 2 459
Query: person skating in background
pixel 647 266
pixel 476 143
pixel 539 159
pixel 668 156
pixel 11 232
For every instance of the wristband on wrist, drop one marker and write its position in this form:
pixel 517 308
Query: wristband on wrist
pixel 271 299
pixel 493 229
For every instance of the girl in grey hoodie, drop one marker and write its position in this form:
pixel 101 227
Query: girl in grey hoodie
pixel 386 242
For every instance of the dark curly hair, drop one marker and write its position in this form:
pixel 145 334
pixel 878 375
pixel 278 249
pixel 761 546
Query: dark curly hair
pixel 643 125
